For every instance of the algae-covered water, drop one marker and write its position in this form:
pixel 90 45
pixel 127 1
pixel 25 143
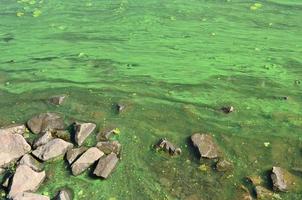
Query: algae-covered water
pixel 174 64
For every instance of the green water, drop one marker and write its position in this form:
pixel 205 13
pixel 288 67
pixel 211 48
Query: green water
pixel 174 64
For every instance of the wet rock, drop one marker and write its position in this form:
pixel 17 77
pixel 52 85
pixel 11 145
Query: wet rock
pixel 43 139
pixel 73 154
pixel 106 134
pixel 167 146
pixel 25 180
pixel 31 162
pixel 14 129
pixel 46 121
pixel 54 148
pixel 82 131
pixel 263 193
pixel 64 195
pixel 282 179
pixel 228 109
pixel 30 196
pixel 57 100
pixel 224 165
pixel 106 165
pixel 108 147
pixel 86 160
pixel 12 147
pixel 206 145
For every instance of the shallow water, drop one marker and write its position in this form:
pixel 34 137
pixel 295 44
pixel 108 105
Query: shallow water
pixel 174 64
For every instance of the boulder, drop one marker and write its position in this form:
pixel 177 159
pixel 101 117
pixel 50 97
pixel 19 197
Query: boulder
pixel 54 148
pixel 43 139
pixel 73 154
pixel 106 165
pixel 25 180
pixel 86 160
pixel 57 100
pixel 282 179
pixel 30 196
pixel 224 165
pixel 206 145
pixel 167 146
pixel 31 162
pixel 106 134
pixel 14 129
pixel 12 147
pixel 64 194
pixel 109 146
pixel 46 121
pixel 82 131
pixel 63 134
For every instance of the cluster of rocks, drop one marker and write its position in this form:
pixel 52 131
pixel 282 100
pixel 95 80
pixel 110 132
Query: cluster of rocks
pixel 52 142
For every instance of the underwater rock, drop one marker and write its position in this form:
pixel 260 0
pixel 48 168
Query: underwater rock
pixel 106 165
pixel 120 107
pixel 52 149
pixel 164 144
pixel 263 193
pixel 243 193
pixel 25 180
pixel 106 134
pixel 14 129
pixel 227 109
pixel 64 194
pixel 43 139
pixel 206 145
pixel 282 179
pixel 46 121
pixel 31 162
pixel 30 196
pixel 108 147
pixel 63 134
pixel 57 100
pixel 224 165
pixel 255 180
pixel 86 160
pixel 82 131
pixel 12 147
pixel 73 154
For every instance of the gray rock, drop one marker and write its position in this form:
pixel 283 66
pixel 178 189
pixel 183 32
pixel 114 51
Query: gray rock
pixel 109 146
pixel 105 135
pixel 30 196
pixel 106 165
pixel 43 139
pixel 25 180
pixel 63 134
pixel 64 195
pixel 167 146
pixel 82 131
pixel 30 161
pixel 282 179
pixel 73 154
pixel 14 129
pixel 57 100
pixel 86 160
pixel 120 107
pixel 46 121
pixel 206 145
pixel 54 148
pixel 12 147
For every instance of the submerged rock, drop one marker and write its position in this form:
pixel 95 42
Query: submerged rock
pixel 46 121
pixel 14 129
pixel 224 165
pixel 73 154
pixel 30 196
pixel 25 180
pixel 86 160
pixel 167 146
pixel 206 145
pixel 12 147
pixel 105 135
pixel 282 179
pixel 228 109
pixel 106 165
pixel 263 193
pixel 52 149
pixel 108 147
pixel 31 162
pixel 57 100
pixel 64 194
pixel 43 139
pixel 120 107
pixel 82 131
pixel 243 193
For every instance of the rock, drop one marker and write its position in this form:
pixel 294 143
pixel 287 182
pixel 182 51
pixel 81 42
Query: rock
pixel 263 193
pixel 6 181
pixel 46 121
pixel 57 100
pixel 255 180
pixel 31 162
pixel 30 196
pixel 228 109
pixel 105 135
pixel 120 107
pixel 82 131
pixel 224 165
pixel 25 180
pixel 43 139
pixel 63 134
pixel 109 146
pixel 52 149
pixel 106 165
pixel 2 170
pixel 14 129
pixel 243 193
pixel 206 145
pixel 73 154
pixel 64 195
pixel 12 147
pixel 86 160
pixel 167 146
pixel 282 179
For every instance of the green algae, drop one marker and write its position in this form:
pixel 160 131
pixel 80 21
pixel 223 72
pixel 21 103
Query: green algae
pixel 174 64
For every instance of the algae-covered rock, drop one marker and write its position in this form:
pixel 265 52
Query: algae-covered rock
pixel 263 193
pixel 30 161
pixel 164 144
pixel 109 146
pixel 46 121
pixel 224 165
pixel 57 100
pixel 282 179
pixel 206 145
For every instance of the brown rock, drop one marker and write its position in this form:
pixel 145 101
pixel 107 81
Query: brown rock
pixel 57 100
pixel 43 139
pixel 282 179
pixel 109 146
pixel 206 145
pixel 263 193
pixel 30 196
pixel 86 160
pixel 82 131
pixel 52 149
pixel 73 154
pixel 255 180
pixel 31 162
pixel 106 165
pixel 64 195
pixel 46 121
pixel 14 129
pixel 243 193
pixel 224 165
pixel 167 146
pixel 106 134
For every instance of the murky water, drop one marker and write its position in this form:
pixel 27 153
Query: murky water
pixel 174 64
